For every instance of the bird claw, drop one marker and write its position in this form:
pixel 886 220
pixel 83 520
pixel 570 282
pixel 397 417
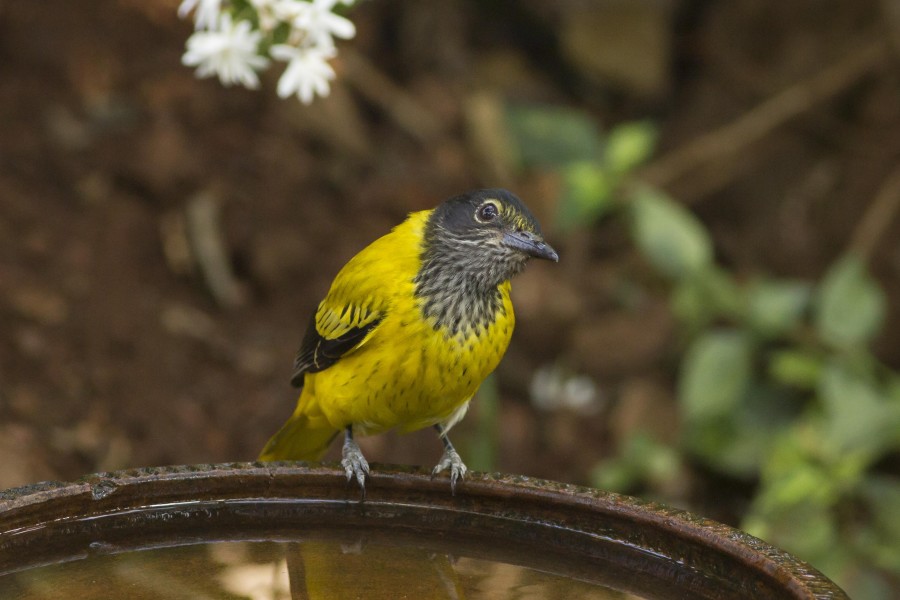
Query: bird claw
pixel 451 460
pixel 354 463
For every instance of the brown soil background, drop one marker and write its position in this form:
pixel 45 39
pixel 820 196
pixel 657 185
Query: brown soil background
pixel 113 351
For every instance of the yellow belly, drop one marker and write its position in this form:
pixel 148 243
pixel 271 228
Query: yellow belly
pixel 409 375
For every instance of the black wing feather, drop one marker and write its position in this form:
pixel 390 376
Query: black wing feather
pixel 317 353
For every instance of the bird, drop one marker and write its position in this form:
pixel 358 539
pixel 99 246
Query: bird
pixel 409 329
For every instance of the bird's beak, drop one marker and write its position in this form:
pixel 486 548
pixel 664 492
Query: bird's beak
pixel 529 243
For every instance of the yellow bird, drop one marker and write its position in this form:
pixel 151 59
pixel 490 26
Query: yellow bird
pixel 410 328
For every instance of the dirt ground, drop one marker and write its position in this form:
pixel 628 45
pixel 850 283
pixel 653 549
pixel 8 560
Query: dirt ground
pixel 117 351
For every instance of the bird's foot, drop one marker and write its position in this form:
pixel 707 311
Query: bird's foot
pixel 451 460
pixel 354 463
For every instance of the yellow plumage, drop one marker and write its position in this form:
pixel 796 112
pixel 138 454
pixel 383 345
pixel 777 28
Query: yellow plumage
pixel 388 353
pixel 404 373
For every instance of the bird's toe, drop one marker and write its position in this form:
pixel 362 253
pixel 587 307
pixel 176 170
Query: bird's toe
pixel 355 464
pixel 452 461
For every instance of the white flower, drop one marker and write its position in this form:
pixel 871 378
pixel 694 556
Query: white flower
pixel 230 53
pixel 315 21
pixel 307 73
pixel 267 11
pixel 207 14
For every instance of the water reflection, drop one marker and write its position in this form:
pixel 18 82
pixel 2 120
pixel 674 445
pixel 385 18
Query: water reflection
pixel 315 569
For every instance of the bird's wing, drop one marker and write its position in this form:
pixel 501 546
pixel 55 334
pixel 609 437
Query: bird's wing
pixel 334 330
pixel 362 293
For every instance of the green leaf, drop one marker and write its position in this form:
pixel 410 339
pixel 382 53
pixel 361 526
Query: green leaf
pixel 642 459
pixel 714 374
pixel 851 305
pixel 776 307
pixel 587 196
pixel 794 473
pixel 709 295
pixel 809 531
pixel 882 494
pixel 893 387
pixel 629 145
pixel 804 485
pixel 553 136
pixel 795 367
pixel 858 416
pixel 669 235
pixel 655 461
pixel 726 447
pixel 790 451
pixel 691 305
pixel 739 442
pixel 242 10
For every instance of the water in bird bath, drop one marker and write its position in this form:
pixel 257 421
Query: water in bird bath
pixel 322 568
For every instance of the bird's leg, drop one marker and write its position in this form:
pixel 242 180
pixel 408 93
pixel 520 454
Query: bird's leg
pixel 353 461
pixel 450 460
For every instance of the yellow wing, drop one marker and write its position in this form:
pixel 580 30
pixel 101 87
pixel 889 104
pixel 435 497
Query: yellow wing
pixel 341 331
pixel 360 297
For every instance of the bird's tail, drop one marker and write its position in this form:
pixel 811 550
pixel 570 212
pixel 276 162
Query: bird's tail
pixel 299 439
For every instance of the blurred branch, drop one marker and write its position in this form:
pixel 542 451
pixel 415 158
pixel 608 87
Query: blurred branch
pixel 890 10
pixel 488 137
pixel 727 141
pixel 210 251
pixel 397 104
pixel 878 216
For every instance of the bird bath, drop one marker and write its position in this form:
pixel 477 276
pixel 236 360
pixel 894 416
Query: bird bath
pixel 287 530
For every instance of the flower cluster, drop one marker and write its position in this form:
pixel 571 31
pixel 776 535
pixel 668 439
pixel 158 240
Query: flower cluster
pixel 235 39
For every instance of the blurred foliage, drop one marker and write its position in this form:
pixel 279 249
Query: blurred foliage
pixel 592 166
pixel 480 447
pixel 777 385
pixel 641 459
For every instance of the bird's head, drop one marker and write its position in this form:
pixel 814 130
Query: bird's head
pixel 488 234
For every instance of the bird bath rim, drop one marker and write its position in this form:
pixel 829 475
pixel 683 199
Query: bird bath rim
pixel 536 516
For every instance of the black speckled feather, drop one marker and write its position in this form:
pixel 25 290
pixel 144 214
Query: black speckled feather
pixel 317 353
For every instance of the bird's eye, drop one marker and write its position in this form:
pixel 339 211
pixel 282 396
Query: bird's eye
pixel 487 212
